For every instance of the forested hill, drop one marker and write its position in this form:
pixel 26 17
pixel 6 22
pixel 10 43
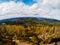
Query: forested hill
pixel 31 20
pixel 36 31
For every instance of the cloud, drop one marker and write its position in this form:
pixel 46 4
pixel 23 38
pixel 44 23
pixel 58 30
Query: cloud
pixel 43 8
pixel 52 6
pixel 20 9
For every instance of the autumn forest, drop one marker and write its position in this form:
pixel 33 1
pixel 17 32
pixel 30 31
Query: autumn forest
pixel 31 30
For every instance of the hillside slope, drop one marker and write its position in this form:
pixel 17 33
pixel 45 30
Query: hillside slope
pixel 33 30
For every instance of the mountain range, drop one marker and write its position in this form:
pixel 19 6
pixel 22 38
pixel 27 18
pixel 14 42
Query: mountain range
pixel 31 20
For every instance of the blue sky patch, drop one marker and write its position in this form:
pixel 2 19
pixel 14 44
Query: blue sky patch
pixel 30 2
pixel 27 2
pixel 4 1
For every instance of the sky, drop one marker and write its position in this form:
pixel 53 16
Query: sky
pixel 29 8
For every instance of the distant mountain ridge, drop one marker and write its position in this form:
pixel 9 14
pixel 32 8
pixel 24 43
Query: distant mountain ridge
pixel 38 18
pixel 48 19
pixel 31 20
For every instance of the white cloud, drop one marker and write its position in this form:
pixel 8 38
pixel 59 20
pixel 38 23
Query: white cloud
pixel 50 3
pixel 19 9
pixel 44 9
